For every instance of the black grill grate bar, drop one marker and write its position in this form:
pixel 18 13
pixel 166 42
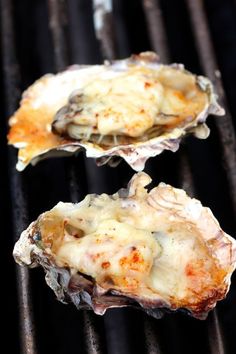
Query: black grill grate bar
pixel 57 14
pixel 105 32
pixel 152 343
pixel 19 212
pixel 27 328
pixel 186 178
pixel 57 22
pixel 214 334
pixel 104 28
pixel 156 29
pixel 214 330
pixel 209 65
pixel 92 339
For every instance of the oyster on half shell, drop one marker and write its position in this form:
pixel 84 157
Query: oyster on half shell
pixel 132 109
pixel 154 250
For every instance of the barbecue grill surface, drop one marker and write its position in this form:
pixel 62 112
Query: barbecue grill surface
pixel 42 36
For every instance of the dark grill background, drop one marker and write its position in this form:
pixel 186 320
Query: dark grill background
pixel 46 36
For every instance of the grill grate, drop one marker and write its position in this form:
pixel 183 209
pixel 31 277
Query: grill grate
pixel 120 331
pixel 11 75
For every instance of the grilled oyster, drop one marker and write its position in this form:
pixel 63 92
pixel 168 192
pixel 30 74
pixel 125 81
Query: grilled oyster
pixel 133 108
pixel 153 250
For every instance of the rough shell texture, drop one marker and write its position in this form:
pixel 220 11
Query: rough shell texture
pixel 158 250
pixel 31 129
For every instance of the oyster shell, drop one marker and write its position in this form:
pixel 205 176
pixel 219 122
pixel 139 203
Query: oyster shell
pixel 154 250
pixel 133 108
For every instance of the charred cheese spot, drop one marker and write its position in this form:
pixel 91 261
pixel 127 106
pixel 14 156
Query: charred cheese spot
pixel 147 84
pixel 133 261
pixel 106 265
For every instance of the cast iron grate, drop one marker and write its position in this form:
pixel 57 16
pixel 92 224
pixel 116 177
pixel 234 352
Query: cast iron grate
pixel 42 36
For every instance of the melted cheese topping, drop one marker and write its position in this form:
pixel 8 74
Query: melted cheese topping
pixel 31 124
pixel 110 255
pixel 141 245
pixel 132 101
pixel 122 98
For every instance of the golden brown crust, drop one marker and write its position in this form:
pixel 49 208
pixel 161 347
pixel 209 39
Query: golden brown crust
pixel 32 125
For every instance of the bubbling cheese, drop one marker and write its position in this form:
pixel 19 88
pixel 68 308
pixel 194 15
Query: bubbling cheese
pixel 131 102
pixel 131 244
pixel 111 255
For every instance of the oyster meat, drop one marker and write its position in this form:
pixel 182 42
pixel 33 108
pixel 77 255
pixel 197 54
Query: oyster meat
pixel 158 250
pixel 133 108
